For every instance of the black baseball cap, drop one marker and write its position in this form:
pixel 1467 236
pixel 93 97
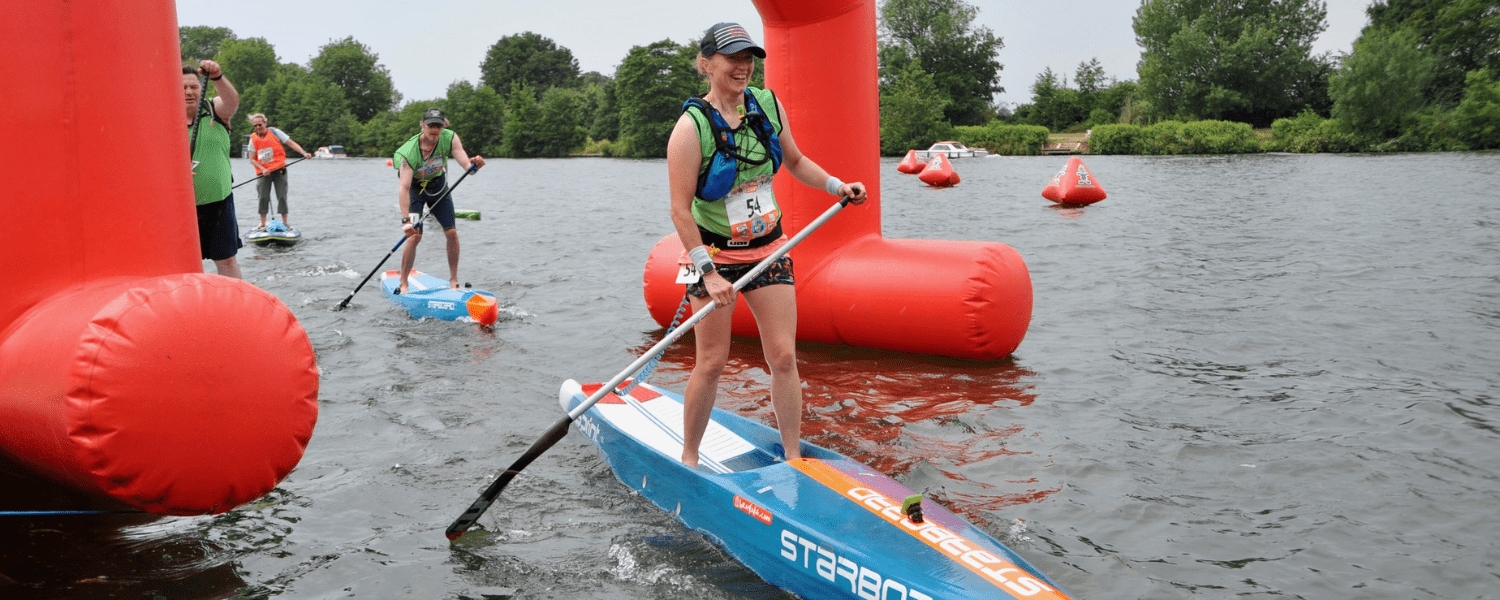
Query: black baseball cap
pixel 729 38
pixel 434 115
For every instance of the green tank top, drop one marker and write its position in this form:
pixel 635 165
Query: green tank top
pixel 211 174
pixel 424 170
pixel 712 215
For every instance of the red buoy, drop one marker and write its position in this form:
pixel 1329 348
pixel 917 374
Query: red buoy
pixel 1074 184
pixel 911 164
pixel 939 172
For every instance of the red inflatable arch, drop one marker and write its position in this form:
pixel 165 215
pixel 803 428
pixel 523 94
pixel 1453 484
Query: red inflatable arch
pixel 951 298
pixel 126 373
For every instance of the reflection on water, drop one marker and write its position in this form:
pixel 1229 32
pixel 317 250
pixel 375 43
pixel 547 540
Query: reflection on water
pixel 113 556
pixel 914 417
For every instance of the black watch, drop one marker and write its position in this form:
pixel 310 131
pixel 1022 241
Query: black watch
pixel 709 269
pixel 405 220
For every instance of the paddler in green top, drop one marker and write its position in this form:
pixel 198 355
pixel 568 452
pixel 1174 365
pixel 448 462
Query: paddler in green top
pixel 725 213
pixel 423 162
pixel 208 141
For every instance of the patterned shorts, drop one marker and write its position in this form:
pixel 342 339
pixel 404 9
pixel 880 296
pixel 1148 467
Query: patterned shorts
pixel 780 272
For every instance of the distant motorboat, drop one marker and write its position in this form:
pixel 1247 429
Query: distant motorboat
pixel 330 152
pixel 951 150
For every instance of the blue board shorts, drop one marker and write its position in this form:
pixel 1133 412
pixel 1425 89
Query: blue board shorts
pixel 218 232
pixel 780 272
pixel 417 199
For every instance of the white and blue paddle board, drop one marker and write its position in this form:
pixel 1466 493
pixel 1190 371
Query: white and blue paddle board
pixel 428 297
pixel 822 526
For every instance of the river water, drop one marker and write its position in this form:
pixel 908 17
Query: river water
pixel 1245 377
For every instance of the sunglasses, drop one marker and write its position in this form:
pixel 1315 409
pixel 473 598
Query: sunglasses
pixel 434 125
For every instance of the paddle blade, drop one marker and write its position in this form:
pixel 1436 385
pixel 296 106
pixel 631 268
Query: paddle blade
pixel 553 435
pixel 483 309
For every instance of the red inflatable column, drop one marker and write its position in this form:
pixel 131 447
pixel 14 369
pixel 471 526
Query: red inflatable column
pixel 125 371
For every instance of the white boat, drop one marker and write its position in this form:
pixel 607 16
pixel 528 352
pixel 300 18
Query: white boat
pixel 952 150
pixel 330 152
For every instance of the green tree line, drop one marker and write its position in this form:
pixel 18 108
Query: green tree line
pixel 1423 75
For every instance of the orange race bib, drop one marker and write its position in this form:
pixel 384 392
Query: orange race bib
pixel 752 210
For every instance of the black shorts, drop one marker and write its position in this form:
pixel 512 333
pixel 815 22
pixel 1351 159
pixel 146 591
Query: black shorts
pixel 218 232
pixel 780 272
pixel 420 196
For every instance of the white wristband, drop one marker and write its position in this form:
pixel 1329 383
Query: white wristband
pixel 833 185
pixel 700 259
pixel 415 218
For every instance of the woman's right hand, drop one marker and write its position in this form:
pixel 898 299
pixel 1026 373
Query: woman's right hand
pixel 719 289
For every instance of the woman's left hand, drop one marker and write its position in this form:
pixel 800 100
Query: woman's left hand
pixel 855 192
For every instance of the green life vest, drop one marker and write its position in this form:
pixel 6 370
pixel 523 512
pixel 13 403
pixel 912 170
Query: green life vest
pixel 211 176
pixel 432 167
pixel 711 214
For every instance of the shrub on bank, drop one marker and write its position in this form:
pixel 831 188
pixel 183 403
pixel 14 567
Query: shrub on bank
pixel 1119 138
pixel 1162 138
pixel 1218 137
pixel 1006 140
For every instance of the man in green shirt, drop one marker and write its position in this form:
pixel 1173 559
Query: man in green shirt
pixel 208 142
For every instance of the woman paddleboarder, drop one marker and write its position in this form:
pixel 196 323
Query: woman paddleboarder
pixel 723 153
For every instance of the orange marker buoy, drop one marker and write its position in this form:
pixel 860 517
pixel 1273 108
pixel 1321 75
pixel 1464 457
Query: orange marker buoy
pixel 1074 184
pixel 388 162
pixel 939 172
pixel 911 164
pixel 483 309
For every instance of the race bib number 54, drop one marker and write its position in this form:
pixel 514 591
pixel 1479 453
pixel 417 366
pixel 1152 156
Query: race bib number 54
pixel 752 210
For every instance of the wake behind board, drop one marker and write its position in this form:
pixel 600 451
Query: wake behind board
pixel 823 526
pixel 432 298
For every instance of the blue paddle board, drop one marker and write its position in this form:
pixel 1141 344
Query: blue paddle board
pixel 822 526
pixel 428 297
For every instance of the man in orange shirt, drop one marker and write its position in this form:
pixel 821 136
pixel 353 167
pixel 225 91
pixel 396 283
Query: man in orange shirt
pixel 269 158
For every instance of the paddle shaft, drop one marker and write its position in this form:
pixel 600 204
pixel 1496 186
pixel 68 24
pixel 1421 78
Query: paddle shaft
pixel 558 430
pixel 197 116
pixel 272 171
pixel 425 210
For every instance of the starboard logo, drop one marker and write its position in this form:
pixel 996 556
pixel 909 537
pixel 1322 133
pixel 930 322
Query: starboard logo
pixel 588 428
pixel 750 508
pixel 437 305
pixel 994 569
pixel 956 546
pixel 863 582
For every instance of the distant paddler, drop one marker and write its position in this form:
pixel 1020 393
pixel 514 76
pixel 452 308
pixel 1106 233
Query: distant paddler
pixel 726 215
pixel 423 162
pixel 269 159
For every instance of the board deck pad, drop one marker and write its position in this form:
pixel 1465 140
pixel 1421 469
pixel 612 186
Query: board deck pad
pixel 655 420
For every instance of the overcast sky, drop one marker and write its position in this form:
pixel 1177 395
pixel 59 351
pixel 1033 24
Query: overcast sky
pixel 429 44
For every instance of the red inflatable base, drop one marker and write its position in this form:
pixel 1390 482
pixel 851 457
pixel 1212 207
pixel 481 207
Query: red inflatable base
pixel 948 298
pixel 136 390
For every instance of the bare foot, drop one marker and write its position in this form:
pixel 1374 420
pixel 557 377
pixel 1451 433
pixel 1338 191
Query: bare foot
pixel 453 283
